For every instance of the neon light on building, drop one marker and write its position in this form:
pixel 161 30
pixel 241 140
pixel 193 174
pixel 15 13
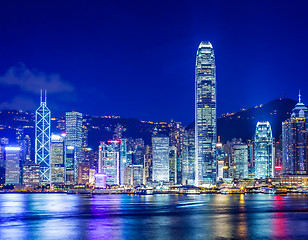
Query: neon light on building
pixel 42 139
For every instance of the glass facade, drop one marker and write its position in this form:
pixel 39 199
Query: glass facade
pixel 160 145
pixel 109 160
pixel 134 175
pixel 205 115
pixel 173 164
pixel 295 141
pixel 263 151
pixel 188 163
pixel 123 160
pixel 241 161
pixel 57 159
pixel 12 169
pixel 70 162
pixel 73 130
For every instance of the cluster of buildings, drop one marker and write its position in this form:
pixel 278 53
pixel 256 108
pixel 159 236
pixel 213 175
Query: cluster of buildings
pixel 180 156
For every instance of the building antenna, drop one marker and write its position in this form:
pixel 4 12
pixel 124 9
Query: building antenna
pixel 45 96
pixel 41 95
pixel 299 95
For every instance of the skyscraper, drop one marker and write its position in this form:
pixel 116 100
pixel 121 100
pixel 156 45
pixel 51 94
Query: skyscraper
pixel 263 150
pixel 188 163
pixel 123 160
pixel 295 141
pixel 173 164
pixel 70 163
pixel 205 115
pixel 241 161
pixel 3 143
pixel 57 159
pixel 109 161
pixel 160 145
pixel 12 168
pixel 42 139
pixel 73 129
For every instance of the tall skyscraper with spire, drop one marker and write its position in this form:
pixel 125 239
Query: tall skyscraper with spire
pixel 295 141
pixel 42 139
pixel 205 115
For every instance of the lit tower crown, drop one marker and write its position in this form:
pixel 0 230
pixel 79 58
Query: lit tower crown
pixel 42 139
pixel 205 115
pixel 300 109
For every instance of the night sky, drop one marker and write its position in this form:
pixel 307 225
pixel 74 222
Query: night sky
pixel 136 58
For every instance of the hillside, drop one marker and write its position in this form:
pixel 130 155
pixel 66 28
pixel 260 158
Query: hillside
pixel 242 124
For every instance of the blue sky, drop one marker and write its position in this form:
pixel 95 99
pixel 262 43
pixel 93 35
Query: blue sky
pixel 136 58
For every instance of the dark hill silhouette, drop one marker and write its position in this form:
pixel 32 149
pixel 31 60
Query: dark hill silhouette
pixel 242 124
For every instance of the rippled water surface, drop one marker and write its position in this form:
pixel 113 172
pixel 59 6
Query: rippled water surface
pixel 61 216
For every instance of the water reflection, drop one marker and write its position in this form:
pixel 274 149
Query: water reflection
pixel 61 216
pixel 279 226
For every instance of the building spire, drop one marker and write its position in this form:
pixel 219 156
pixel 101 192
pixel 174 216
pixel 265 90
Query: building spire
pixel 41 96
pixel 299 96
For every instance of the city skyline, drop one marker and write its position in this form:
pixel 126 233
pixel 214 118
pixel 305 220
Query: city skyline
pixel 164 119
pixel 75 58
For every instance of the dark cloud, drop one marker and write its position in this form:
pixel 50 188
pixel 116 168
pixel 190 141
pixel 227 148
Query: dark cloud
pixel 19 102
pixel 31 80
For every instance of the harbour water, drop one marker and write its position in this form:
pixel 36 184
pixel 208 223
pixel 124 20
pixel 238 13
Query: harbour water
pixel 62 216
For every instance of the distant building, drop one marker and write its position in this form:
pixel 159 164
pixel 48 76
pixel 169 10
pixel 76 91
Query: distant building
pixel 3 143
pixel 295 141
pixel 278 159
pixel 109 161
pixel 31 175
pixel 100 180
pixel 74 136
pixel 91 156
pixel 148 166
pixel 205 115
pixel 230 164
pixel 188 160
pixel 27 148
pixel 241 161
pixel 83 173
pixel 12 168
pixel 222 161
pixel 57 159
pixel 173 165
pixel 70 163
pixel 251 159
pixel 263 151
pixel 160 145
pixel 134 175
pixel 92 173
pixel 176 139
pixel 123 161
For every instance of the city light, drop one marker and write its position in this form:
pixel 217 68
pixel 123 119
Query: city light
pixel 12 148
